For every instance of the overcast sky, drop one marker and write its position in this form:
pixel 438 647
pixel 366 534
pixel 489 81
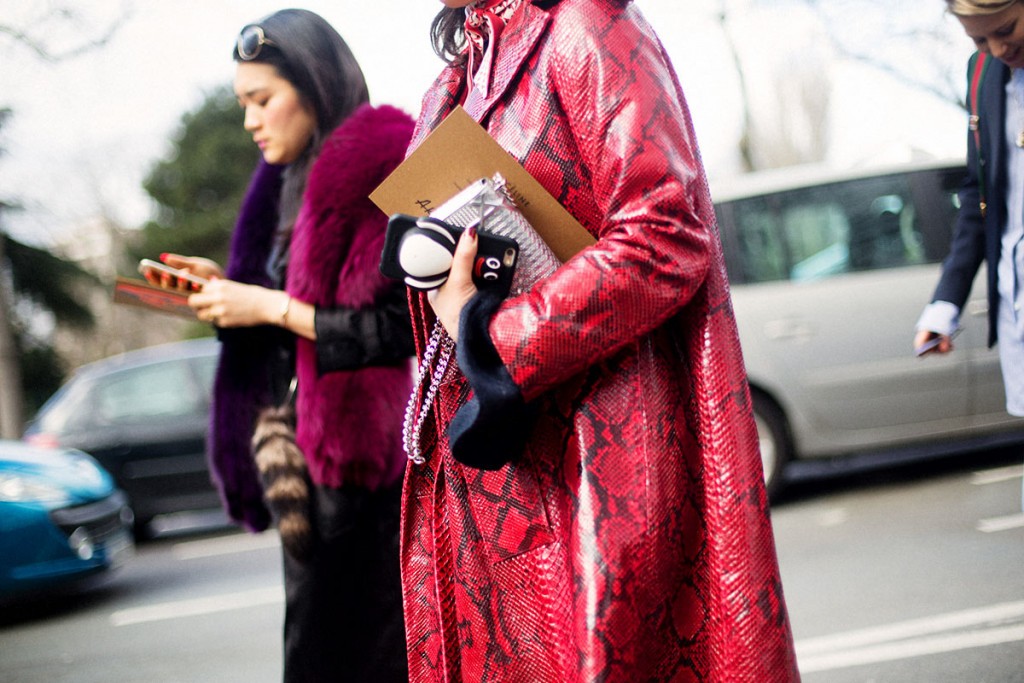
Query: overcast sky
pixel 86 130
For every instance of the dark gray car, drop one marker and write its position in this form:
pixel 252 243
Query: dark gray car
pixel 144 416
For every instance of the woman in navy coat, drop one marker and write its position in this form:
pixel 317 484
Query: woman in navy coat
pixel 990 225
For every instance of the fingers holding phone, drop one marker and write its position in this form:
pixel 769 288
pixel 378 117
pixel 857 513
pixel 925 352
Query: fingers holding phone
pixel 927 341
pixel 170 278
pixel 449 299
pixel 182 273
pixel 196 265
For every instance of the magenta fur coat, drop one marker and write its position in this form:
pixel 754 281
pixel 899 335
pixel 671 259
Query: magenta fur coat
pixel 349 422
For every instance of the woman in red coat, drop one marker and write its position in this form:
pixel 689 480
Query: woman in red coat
pixel 590 504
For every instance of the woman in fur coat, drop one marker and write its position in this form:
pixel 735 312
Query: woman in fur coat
pixel 590 504
pixel 302 297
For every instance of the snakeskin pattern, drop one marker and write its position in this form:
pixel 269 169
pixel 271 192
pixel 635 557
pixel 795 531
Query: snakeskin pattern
pixel 632 540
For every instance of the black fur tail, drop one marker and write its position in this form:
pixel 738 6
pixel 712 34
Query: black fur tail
pixel 285 477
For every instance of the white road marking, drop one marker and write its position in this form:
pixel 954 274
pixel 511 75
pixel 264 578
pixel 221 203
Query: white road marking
pixel 912 648
pixel 195 607
pixel 832 517
pixel 226 545
pixel 997 475
pixel 994 524
pixel 930 635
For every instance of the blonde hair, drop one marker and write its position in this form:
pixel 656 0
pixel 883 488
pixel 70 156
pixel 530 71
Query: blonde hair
pixel 969 8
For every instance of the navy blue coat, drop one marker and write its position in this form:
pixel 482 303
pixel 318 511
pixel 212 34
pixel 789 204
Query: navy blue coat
pixel 977 238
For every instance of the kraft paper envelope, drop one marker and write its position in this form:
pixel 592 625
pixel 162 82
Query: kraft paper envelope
pixel 460 152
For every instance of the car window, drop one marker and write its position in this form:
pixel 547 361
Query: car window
pixel 206 368
pixel 68 408
pixel 818 232
pixel 147 392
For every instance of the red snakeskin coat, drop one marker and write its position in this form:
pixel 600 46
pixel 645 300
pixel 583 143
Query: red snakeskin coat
pixel 632 541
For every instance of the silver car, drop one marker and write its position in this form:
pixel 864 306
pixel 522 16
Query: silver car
pixel 829 274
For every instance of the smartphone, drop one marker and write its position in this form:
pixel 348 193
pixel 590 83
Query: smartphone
pixel 195 282
pixel 934 342
pixel 419 251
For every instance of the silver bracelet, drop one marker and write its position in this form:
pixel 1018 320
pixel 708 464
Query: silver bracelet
pixel 283 322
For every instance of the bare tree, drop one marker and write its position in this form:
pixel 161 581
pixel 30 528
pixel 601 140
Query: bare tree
pixel 746 125
pixel 784 89
pixel 784 53
pixel 60 31
pixel 921 49
pixel 796 126
pixel 53 31
pixel 100 247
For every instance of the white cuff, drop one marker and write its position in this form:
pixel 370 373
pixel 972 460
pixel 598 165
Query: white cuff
pixel 939 316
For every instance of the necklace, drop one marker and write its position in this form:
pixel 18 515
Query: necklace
pixel 412 426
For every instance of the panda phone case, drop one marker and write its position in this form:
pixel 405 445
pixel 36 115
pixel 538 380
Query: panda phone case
pixel 419 250
pixel 485 205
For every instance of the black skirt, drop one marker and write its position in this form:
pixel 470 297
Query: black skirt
pixel 343 606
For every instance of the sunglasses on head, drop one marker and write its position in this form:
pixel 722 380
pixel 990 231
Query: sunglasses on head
pixel 251 41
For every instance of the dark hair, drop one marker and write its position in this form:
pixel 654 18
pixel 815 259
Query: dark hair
pixel 308 53
pixel 448 36
pixel 447 32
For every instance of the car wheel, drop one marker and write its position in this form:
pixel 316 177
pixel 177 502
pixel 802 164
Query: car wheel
pixel 773 437
pixel 141 528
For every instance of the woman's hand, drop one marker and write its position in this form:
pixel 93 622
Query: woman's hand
pixel 227 303
pixel 194 265
pixel 449 299
pixel 203 267
pixel 944 344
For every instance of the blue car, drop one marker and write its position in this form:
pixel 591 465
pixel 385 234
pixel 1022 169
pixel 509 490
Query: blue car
pixel 62 519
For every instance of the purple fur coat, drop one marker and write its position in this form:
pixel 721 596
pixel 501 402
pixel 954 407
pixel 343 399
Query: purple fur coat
pixel 349 422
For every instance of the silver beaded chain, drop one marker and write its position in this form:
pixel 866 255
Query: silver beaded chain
pixel 412 426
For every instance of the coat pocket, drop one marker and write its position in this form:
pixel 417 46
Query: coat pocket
pixel 507 509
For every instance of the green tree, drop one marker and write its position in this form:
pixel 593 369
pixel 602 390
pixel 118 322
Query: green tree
pixel 34 282
pixel 199 186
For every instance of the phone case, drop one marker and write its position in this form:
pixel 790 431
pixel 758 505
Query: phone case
pixel 420 250
pixel 174 272
pixel 486 205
